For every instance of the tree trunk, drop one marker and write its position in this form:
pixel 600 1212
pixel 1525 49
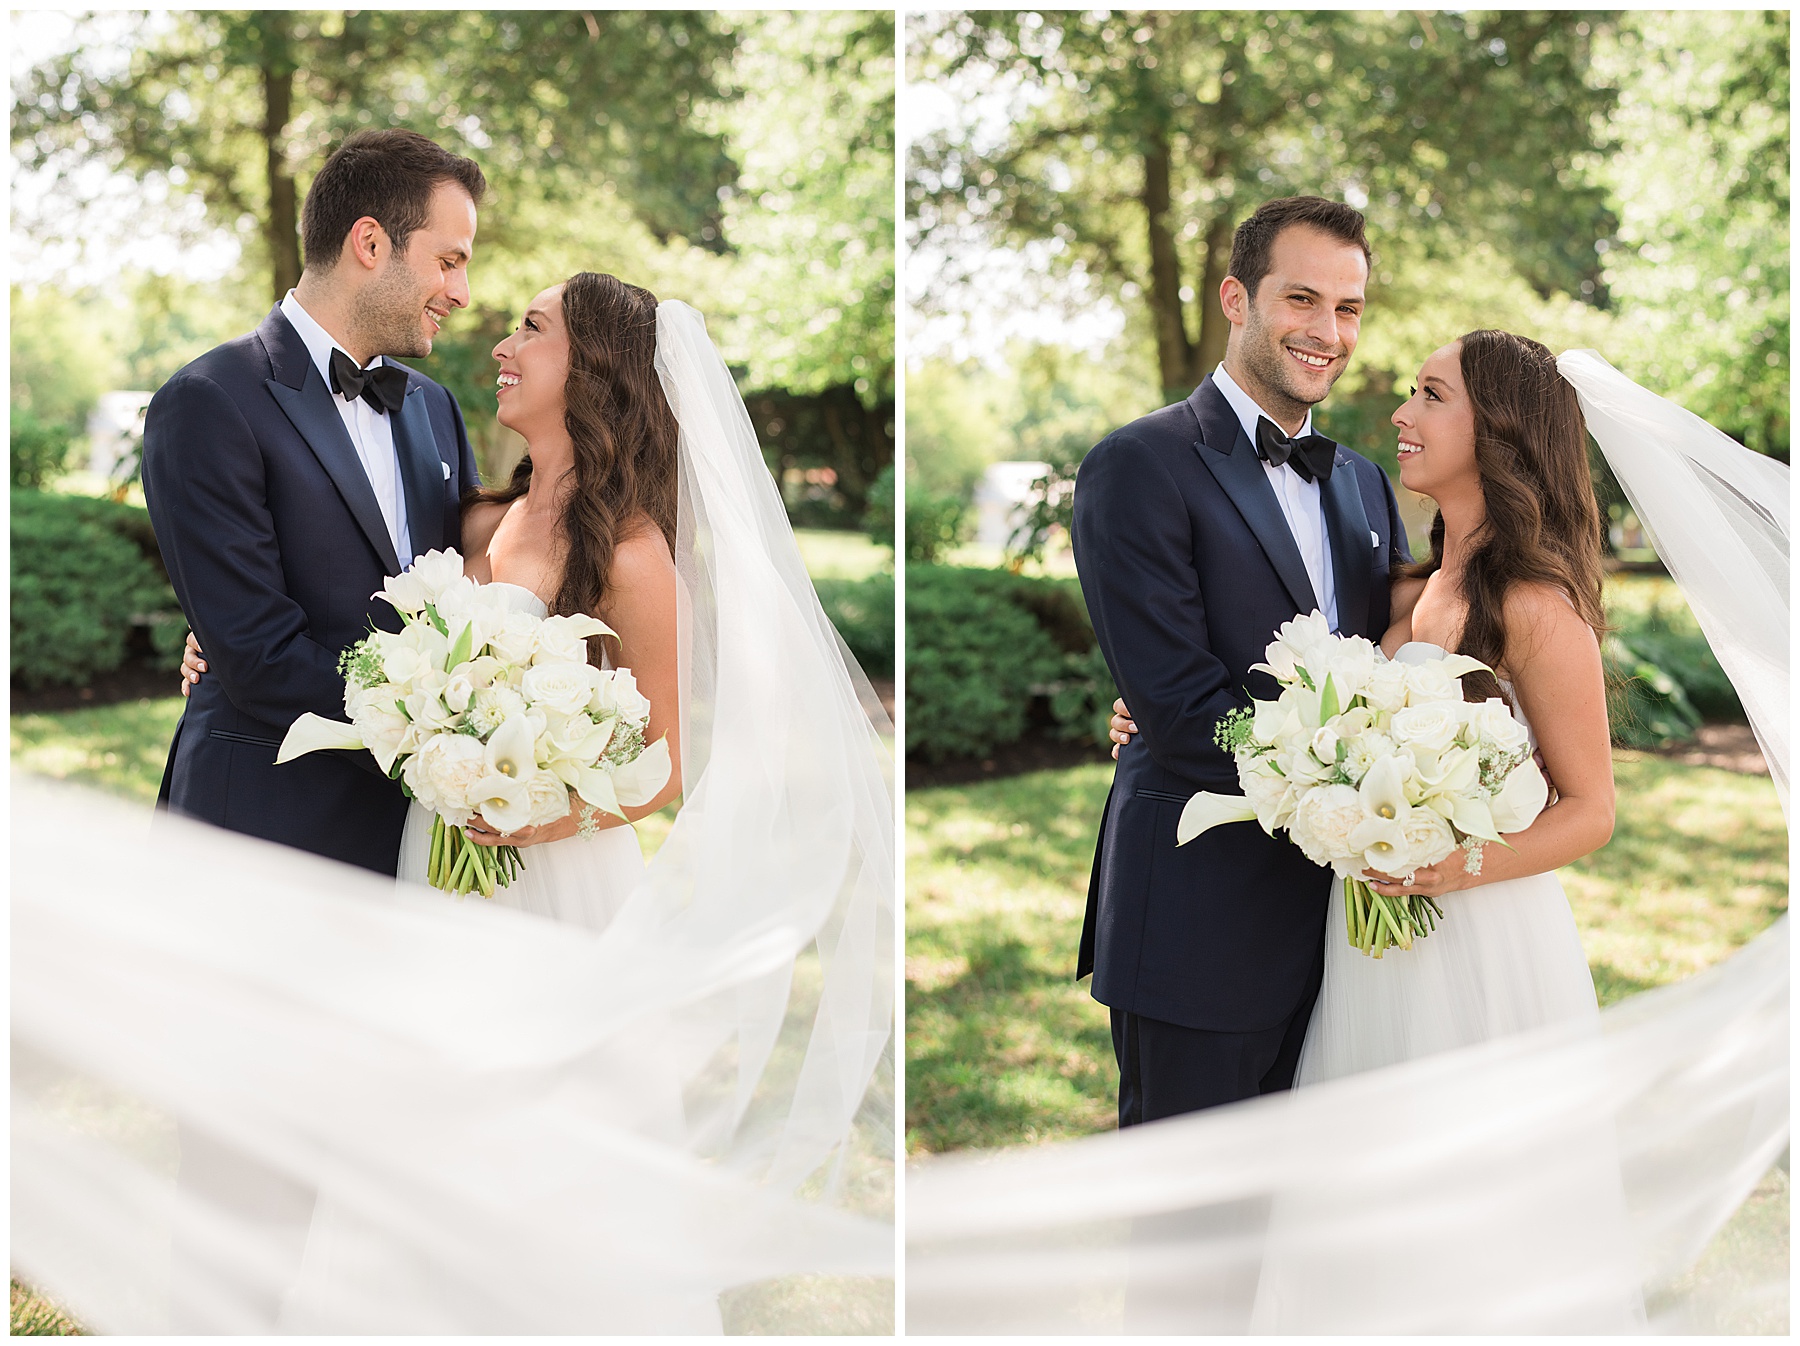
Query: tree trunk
pixel 1214 328
pixel 1173 353
pixel 282 227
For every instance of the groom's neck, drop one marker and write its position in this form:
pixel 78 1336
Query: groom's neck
pixel 328 306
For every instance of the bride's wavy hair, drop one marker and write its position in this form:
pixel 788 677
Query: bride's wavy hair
pixel 1542 520
pixel 624 434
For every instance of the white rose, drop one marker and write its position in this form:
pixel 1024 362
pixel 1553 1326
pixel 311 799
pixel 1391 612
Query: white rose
pixel 1521 798
pixel 1430 682
pixel 564 639
pixel 1329 813
pixel 513 638
pixel 1497 725
pixel 1428 837
pixel 547 797
pixel 1431 726
pixel 1385 688
pixel 443 773
pixel 561 687
pixel 617 694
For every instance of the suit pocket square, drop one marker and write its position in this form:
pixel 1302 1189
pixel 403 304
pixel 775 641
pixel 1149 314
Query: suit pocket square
pixel 446 467
pixel 1374 537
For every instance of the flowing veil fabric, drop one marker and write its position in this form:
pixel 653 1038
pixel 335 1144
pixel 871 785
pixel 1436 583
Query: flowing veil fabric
pixel 1562 1180
pixel 453 1075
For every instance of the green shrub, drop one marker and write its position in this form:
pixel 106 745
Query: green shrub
pixel 934 524
pixel 1663 679
pixel 863 612
pixel 987 651
pixel 87 588
pixel 40 450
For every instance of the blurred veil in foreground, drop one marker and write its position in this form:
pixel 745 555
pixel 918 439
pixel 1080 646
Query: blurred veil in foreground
pixel 254 1091
pixel 1559 1181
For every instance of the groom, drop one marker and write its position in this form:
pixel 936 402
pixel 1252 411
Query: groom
pixel 290 471
pixel 1198 531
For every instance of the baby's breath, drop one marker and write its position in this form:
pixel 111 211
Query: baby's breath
pixel 627 742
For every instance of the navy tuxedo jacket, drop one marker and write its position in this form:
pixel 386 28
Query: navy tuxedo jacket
pixel 1188 568
pixel 275 544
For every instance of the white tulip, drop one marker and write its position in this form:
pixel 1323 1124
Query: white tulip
pixel 1325 745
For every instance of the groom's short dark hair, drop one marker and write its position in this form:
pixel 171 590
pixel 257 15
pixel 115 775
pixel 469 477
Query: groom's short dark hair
pixel 1255 237
pixel 387 175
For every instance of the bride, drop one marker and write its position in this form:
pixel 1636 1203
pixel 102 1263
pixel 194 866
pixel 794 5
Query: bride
pixel 1494 435
pixel 587 524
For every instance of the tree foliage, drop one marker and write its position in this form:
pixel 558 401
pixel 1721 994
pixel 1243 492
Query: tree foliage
pixel 1138 140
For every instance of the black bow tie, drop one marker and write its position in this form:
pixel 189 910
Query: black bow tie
pixel 382 386
pixel 1309 455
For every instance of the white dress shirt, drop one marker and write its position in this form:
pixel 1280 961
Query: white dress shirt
pixel 371 431
pixel 1299 499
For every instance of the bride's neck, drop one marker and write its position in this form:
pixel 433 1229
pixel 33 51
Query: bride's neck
pixel 1464 512
pixel 552 469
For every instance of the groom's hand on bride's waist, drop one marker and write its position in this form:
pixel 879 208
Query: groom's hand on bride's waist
pixel 192 664
pixel 1122 726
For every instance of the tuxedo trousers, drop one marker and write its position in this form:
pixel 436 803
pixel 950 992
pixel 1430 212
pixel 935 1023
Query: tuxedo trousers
pixel 1167 1069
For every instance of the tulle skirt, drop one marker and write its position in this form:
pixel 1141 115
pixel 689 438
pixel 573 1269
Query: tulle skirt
pixel 1505 959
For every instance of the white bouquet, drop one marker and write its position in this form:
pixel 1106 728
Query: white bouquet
pixel 478 705
pixel 1372 764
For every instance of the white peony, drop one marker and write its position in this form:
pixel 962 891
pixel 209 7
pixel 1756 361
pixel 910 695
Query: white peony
pixel 385 732
pixel 1324 820
pixel 1272 798
pixel 443 774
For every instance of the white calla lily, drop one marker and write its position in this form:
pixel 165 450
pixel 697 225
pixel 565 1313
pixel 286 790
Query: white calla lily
pixel 512 751
pixel 1206 811
pixel 1520 799
pixel 1384 791
pixel 315 733
pixel 504 801
pixel 642 779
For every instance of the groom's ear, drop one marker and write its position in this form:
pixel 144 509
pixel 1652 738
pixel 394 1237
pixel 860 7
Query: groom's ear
pixel 367 243
pixel 1234 298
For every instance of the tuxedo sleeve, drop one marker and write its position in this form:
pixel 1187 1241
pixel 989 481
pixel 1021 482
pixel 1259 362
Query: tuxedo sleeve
pixel 467 471
pixel 1134 550
pixel 1400 548
pixel 205 487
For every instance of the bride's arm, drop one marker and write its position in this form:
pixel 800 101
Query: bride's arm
pixel 1554 659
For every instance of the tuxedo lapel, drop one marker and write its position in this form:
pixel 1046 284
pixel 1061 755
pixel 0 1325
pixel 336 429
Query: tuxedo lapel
pixel 1352 552
pixel 299 390
pixel 1228 454
pixel 421 472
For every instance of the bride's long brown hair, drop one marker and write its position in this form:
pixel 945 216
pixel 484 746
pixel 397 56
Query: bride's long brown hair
pixel 624 435
pixel 1542 520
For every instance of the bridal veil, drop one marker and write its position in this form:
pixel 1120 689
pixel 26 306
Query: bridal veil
pixel 430 1066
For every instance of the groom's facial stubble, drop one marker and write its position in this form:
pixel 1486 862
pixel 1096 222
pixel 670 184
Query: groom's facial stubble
pixel 1292 339
pixel 399 310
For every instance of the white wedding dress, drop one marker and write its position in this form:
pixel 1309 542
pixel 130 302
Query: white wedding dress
pixel 1506 958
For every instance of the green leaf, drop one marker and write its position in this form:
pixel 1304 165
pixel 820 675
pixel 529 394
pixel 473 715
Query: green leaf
pixel 459 652
pixel 443 627
pixel 1328 700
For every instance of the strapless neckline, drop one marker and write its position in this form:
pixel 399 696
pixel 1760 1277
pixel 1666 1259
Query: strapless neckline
pixel 541 607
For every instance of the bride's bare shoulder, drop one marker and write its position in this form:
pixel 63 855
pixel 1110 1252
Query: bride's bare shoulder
pixel 641 555
pixel 1403 596
pixel 478 524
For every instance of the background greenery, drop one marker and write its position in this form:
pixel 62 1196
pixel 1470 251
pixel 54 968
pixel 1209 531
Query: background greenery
pixel 1605 179
pixel 743 162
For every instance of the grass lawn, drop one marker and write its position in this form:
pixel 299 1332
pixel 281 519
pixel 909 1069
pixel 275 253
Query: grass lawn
pixel 830 554
pixel 1003 1048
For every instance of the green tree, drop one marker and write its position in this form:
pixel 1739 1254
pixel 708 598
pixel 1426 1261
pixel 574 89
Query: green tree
pixel 241 107
pixel 1136 141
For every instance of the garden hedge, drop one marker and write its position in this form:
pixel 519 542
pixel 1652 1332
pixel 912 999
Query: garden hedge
pixel 88 588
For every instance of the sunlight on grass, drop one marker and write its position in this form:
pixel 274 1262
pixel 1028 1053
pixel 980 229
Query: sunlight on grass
pixel 1005 1048
pixel 833 555
pixel 119 749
